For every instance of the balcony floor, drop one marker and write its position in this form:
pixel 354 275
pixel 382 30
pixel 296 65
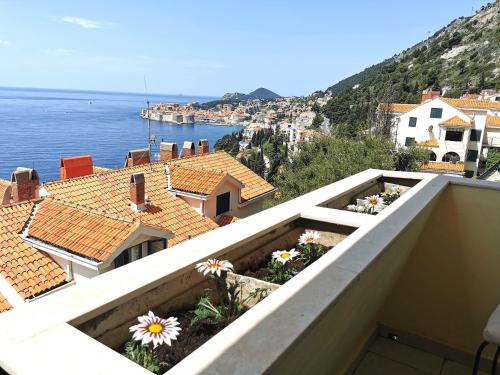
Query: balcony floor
pixel 388 357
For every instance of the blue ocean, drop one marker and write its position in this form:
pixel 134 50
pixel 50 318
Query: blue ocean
pixel 39 126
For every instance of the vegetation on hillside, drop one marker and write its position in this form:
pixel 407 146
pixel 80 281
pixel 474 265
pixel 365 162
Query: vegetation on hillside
pixel 462 57
pixel 329 159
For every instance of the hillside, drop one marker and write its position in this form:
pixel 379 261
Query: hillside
pixel 235 97
pixel 463 56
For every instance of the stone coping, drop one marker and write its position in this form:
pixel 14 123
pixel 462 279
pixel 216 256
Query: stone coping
pixel 230 351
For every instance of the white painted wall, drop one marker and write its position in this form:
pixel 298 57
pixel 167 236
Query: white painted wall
pixel 422 133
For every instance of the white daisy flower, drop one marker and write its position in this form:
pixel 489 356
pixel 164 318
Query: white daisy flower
pixel 284 256
pixel 152 328
pixel 214 266
pixel 309 237
pixel 396 190
pixel 374 202
pixel 361 208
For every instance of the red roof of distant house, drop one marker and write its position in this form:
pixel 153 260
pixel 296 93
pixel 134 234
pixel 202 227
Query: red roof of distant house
pixel 76 166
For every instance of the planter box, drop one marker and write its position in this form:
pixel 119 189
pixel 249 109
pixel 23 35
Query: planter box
pixel 249 284
pixel 372 187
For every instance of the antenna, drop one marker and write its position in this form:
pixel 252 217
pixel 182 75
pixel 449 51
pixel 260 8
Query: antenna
pixel 151 138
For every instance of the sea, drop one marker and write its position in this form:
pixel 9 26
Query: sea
pixel 38 127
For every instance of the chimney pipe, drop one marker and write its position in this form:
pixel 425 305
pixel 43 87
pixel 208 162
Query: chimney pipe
pixel 188 149
pixel 168 151
pixel 137 157
pixel 25 184
pixel 203 147
pixel 137 192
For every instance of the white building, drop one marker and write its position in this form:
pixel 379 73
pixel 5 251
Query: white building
pixel 458 132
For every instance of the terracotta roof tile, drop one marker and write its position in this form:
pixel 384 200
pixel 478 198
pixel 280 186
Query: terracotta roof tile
pixel 455 121
pixel 195 180
pixel 470 103
pixel 493 121
pixel 223 220
pixel 428 143
pixel 109 192
pixel 397 107
pixel 4 304
pixel 29 271
pixel 443 166
pixel 254 185
pixel 79 230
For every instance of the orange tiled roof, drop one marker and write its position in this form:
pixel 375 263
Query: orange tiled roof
pixel 4 304
pixel 223 220
pixel 397 107
pixel 470 103
pixel 31 272
pixel 109 192
pixel 79 230
pixel 101 169
pixel 493 121
pixel 443 166
pixel 4 184
pixel 428 143
pixel 195 180
pixel 455 121
pixel 254 185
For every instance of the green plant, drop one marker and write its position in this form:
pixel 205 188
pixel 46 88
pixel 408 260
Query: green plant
pixel 280 272
pixel 310 248
pixel 144 356
pixel 231 304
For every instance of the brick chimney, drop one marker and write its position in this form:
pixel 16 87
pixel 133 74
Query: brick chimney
pixel 25 184
pixel 188 149
pixel 137 157
pixel 76 166
pixel 203 147
pixel 168 151
pixel 137 192
pixel 429 95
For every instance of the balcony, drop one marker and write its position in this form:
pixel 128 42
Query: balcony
pixel 424 270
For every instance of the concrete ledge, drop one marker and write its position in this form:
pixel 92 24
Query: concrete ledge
pixel 331 215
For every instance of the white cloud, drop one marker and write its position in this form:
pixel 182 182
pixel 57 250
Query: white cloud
pixel 5 43
pixel 86 23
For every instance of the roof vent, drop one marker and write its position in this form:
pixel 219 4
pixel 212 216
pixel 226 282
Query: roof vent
pixel 25 184
pixel 168 151
pixel 188 149
pixel 203 147
pixel 137 157
pixel 76 166
pixel 137 192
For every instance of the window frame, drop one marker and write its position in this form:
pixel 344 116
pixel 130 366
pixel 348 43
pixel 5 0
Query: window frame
pixel 410 122
pixel 471 152
pixel 477 135
pixel 410 141
pixel 450 132
pixel 433 112
pixel 220 200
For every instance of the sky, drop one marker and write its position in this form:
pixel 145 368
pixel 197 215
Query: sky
pixel 208 47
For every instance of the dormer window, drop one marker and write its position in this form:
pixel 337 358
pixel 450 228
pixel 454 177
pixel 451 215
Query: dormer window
pixel 223 203
pixel 436 112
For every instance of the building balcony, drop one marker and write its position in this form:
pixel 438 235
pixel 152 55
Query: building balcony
pixel 417 280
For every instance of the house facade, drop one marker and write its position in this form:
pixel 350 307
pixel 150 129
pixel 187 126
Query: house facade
pixel 457 132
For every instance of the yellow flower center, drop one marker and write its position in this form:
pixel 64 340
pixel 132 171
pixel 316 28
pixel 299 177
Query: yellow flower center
pixel 373 201
pixel 285 255
pixel 155 328
pixel 310 240
pixel 215 266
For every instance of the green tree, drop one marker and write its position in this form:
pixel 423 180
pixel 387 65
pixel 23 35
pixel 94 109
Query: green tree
pixel 327 159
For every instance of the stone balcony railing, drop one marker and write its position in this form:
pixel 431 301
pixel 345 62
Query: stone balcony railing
pixel 412 268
